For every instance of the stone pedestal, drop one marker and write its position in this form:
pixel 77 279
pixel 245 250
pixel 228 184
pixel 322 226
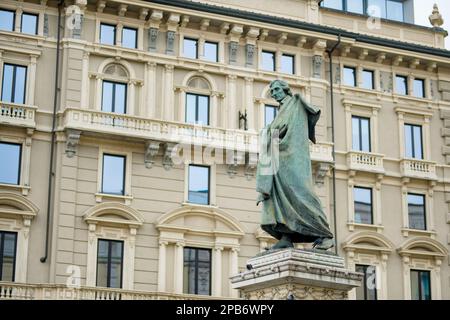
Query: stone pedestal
pixel 296 274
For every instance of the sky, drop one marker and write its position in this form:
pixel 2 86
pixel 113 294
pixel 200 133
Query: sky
pixel 423 9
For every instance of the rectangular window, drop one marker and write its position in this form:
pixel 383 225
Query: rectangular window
pixel 107 34
pixel 211 51
pixel 113 175
pixel 8 249
pixel 420 285
pixel 419 88
pixel 287 64
pixel 367 290
pixel 361 134
pixel 355 6
pixel 7 20
pixel 413 141
pixel 190 48
pixel 333 4
pixel 29 23
pixel 270 112
pixel 109 263
pixel 197 109
pixel 197 271
pixel 416 211
pixel 114 97
pixel 401 83
pixel 376 8
pixel 350 76
pixel 129 38
pixel 368 79
pixel 268 60
pixel 394 10
pixel 14 83
pixel 198 189
pixel 363 205
pixel 10 163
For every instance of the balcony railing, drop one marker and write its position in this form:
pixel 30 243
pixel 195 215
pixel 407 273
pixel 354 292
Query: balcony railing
pixel 321 152
pixel 17 115
pixel 20 291
pixel 415 168
pixel 365 161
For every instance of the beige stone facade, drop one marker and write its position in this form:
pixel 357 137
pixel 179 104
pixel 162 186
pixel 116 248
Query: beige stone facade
pixel 153 218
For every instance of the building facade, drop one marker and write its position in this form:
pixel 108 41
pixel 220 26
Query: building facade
pixel 129 142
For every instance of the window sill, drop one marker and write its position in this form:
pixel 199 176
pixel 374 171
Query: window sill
pixel 100 196
pixel 196 205
pixel 24 189
pixel 406 232
pixel 352 226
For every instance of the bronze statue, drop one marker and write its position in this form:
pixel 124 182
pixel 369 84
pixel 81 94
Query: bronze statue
pixel 291 210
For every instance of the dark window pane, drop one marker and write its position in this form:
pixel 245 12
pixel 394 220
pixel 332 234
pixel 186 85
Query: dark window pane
pixel 116 264
pixel 197 109
pixel 363 205
pixel 376 8
pixel 287 64
pixel 401 83
pixel 356 6
pixel 413 141
pixel 350 76
pixel 190 48
pixel 367 290
pixel 268 60
pixel 420 285
pixel 419 88
pixel 14 83
pixel 7 20
pixel 107 34
pixel 109 263
pixel 270 112
pixel 102 263
pixel 29 23
pixel 361 134
pixel 367 79
pixel 425 285
pixel 10 163
pixel 333 4
pixel 198 184
pixel 113 180
pixel 114 97
pixel 129 38
pixel 197 271
pixel 394 10
pixel 416 211
pixel 210 51
pixel 8 244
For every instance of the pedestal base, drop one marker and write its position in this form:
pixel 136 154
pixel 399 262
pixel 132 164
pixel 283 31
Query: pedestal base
pixel 296 274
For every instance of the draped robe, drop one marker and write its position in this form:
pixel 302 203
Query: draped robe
pixel 292 208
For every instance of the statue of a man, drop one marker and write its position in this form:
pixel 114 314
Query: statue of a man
pixel 291 210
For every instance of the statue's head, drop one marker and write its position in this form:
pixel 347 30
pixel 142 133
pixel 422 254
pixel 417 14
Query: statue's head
pixel 279 89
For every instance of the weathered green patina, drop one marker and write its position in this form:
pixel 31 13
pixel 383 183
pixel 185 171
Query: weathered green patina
pixel 291 210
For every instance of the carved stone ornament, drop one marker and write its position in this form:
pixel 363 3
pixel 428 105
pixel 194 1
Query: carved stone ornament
pixel 72 140
pixel 151 150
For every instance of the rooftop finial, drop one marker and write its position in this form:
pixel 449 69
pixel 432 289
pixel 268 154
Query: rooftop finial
pixel 436 17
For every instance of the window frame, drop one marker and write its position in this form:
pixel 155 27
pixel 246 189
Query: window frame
pixel 36 27
pixel 217 50
pixel 266 106
pixel 13 21
pixel 423 81
pixel 108 280
pixel 373 79
pixel 197 95
pixel 124 173
pixel 406 85
pixel 113 106
pixel 196 268
pixel 19 169
pixel 209 183
pixel 360 118
pixel 425 222
pixel 274 55
pixel 412 125
pixel 355 78
pixel 419 272
pixel 372 218
pixel 13 86
pixel 365 267
pixel 2 240
pixel 135 38
pixel 100 33
pixel 284 54
pixel 197 42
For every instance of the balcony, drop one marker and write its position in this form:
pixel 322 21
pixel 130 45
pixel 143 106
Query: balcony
pixel 17 115
pixel 365 161
pixel 321 152
pixel 421 169
pixel 20 291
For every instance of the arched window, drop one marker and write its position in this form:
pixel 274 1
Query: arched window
pixel 198 101
pixel 114 89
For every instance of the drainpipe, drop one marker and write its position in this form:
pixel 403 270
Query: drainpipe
pixel 51 172
pixel 330 56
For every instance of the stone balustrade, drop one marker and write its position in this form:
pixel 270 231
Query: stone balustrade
pixel 415 168
pixel 17 115
pixel 365 161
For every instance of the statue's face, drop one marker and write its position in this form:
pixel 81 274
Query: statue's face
pixel 277 92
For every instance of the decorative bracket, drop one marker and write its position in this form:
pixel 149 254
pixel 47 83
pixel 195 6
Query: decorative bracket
pixel 321 170
pixel 151 150
pixel 72 140
pixel 237 159
pixel 250 167
pixel 167 158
